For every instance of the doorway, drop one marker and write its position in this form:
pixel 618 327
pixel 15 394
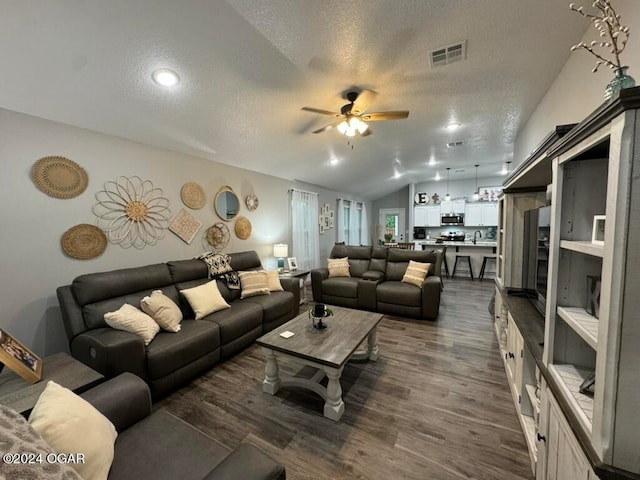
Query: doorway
pixel 392 221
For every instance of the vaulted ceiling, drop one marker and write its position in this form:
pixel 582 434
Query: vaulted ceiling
pixel 247 67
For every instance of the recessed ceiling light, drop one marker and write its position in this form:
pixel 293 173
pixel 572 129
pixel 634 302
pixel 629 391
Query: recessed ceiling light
pixel 333 161
pixel 432 161
pixel 165 77
pixel 437 177
pixel 452 126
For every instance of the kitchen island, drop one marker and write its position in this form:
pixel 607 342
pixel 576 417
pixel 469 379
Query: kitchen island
pixel 476 250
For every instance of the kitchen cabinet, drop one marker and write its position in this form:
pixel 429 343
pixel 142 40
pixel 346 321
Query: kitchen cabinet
pixel 453 206
pixel 426 216
pixel 420 216
pixel 481 214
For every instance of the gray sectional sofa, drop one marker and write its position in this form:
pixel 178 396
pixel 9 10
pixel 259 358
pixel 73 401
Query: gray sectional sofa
pixel 171 358
pixel 159 445
pixel 376 283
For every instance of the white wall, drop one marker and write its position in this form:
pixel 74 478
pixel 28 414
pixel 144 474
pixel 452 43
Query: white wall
pixel 577 92
pixel 33 263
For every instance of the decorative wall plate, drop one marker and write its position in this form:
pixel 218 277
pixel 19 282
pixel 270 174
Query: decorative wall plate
pixel 185 226
pixel 243 228
pixel 251 202
pixel 59 177
pixel 218 236
pixel 193 195
pixel 84 241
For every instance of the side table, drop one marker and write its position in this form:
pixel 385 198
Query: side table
pixel 59 367
pixel 301 274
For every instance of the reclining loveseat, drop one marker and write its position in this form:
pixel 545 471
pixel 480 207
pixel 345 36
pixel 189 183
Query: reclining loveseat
pixel 375 281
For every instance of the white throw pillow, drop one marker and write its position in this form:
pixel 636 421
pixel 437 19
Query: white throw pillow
pixel 273 281
pixel 133 320
pixel 205 299
pixel 416 273
pixel 163 310
pixel 253 282
pixel 70 424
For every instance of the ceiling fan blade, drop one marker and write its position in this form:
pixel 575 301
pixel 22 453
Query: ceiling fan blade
pixel 323 112
pixel 365 98
pixel 381 116
pixel 327 127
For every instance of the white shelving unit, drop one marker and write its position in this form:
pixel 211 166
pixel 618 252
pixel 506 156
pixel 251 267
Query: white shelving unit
pixel 593 175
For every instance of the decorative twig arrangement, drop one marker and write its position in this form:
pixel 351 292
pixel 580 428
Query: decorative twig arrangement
pixel 616 35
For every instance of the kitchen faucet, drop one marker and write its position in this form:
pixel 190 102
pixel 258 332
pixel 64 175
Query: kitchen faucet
pixel 477 232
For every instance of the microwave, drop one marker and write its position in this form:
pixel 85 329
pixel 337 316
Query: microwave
pixel 448 219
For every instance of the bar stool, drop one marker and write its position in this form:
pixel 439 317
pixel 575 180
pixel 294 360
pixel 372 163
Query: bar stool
pixel 455 265
pixel 444 261
pixel 484 264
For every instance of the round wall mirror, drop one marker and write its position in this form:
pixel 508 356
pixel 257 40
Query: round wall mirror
pixel 226 204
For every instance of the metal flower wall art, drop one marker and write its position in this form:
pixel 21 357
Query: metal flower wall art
pixel 132 212
pixel 614 35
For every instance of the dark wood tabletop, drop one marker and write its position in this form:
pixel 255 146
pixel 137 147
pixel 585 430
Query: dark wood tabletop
pixel 333 346
pixel 59 367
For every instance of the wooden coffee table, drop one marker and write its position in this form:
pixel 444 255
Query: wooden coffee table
pixel 325 350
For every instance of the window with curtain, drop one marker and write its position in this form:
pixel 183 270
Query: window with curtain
pixel 353 223
pixel 305 235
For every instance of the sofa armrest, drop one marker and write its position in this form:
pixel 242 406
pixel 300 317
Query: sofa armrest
pixel 431 289
pixel 124 400
pixel 110 352
pixel 248 463
pixel 292 284
pixel 317 276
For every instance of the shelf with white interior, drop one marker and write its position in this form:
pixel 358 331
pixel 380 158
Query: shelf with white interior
pixel 582 323
pixel 569 378
pixel 586 247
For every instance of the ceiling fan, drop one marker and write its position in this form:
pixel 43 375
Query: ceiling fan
pixel 353 120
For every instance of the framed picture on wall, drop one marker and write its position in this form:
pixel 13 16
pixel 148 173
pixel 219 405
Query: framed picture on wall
pixel 293 263
pixel 326 222
pixel 321 228
pixel 331 223
pixel 19 358
pixel 331 214
pixel 321 220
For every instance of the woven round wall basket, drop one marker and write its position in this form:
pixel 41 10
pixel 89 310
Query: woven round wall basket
pixel 243 228
pixel 193 195
pixel 84 241
pixel 59 177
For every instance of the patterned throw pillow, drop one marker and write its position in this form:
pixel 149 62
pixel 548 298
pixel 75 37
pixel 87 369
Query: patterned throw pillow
pixel 254 283
pixel 218 263
pixel 339 267
pixel 416 273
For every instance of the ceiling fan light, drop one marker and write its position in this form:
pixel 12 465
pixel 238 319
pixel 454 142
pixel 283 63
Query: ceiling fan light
pixel 362 127
pixel 342 127
pixel 350 132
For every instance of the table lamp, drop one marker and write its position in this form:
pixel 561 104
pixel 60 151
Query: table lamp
pixel 280 251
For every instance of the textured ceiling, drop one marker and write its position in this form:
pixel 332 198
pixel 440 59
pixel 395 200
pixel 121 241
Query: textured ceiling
pixel 248 66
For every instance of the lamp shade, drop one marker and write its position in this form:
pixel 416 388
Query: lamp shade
pixel 280 250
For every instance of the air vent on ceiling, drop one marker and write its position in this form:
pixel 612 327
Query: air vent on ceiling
pixel 448 54
pixel 455 144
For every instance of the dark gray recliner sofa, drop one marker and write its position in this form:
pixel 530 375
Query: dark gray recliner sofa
pixel 376 283
pixel 159 445
pixel 171 358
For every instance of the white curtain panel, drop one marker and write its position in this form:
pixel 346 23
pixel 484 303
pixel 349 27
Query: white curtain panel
pixel 340 221
pixel 305 234
pixel 354 224
pixel 364 227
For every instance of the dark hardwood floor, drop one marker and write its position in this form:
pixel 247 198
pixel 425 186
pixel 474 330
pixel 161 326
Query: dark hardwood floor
pixel 436 405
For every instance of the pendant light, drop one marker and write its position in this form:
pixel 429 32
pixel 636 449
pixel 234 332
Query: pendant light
pixel 508 168
pixel 476 194
pixel 447 197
